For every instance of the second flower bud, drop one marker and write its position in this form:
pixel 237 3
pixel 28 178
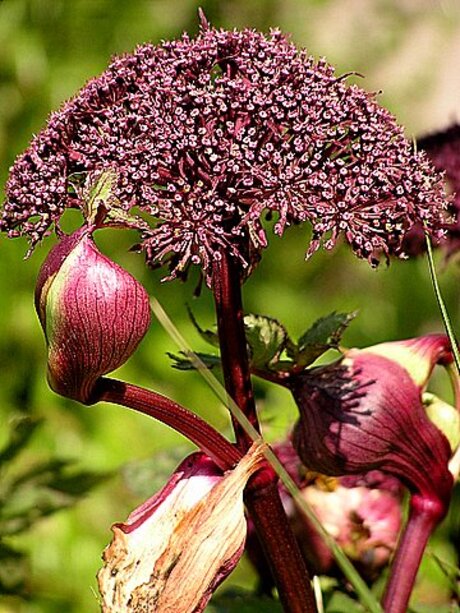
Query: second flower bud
pixel 94 314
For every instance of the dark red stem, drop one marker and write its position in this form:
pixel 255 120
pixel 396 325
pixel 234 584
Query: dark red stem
pixel 232 338
pixel 424 516
pixel 145 401
pixel 261 496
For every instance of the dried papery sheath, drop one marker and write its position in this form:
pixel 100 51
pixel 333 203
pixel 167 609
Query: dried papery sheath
pixel 94 314
pixel 206 134
pixel 176 548
pixel 366 412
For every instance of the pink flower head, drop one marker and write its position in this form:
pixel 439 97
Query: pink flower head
pixel 366 412
pixel 362 513
pixel 363 519
pixel 208 133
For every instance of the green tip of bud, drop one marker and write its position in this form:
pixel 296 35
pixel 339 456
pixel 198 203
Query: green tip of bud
pixel 445 417
pixel 94 315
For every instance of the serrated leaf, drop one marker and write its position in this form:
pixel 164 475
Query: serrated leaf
pixel 119 217
pixel 324 334
pixel 266 338
pixel 183 361
pixel 21 431
pixel 210 336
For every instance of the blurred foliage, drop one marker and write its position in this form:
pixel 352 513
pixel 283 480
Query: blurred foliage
pixel 28 493
pixel 50 48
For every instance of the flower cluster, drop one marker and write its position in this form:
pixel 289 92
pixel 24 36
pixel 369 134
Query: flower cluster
pixel 443 148
pixel 207 134
pixel 362 513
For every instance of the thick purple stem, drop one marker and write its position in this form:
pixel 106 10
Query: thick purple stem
pixel 424 516
pixel 234 355
pixel 261 496
pixel 209 440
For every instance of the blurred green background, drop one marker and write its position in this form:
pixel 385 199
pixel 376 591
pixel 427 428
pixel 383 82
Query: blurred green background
pixel 48 49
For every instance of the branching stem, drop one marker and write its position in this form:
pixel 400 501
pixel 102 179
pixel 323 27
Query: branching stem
pixel 187 423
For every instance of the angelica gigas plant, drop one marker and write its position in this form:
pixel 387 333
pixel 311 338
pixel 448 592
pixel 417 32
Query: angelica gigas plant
pixel 202 145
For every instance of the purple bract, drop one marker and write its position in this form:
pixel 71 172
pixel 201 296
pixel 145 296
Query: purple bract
pixel 443 148
pixel 366 413
pixel 207 134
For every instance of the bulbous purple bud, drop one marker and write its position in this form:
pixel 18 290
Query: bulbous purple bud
pixel 366 412
pixel 93 313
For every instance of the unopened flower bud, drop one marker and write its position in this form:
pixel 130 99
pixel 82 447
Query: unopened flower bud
pixel 366 413
pixel 416 355
pixel 93 313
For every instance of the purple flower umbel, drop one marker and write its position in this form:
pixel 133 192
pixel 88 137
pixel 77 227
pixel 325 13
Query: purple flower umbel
pixel 207 134
pixel 443 148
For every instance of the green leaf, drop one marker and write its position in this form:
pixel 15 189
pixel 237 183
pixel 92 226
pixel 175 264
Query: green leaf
pixel 41 491
pixel 324 334
pixel 266 338
pixel 13 571
pixel 210 336
pixel 77 484
pixel 40 474
pixel 119 217
pixel 22 430
pixel 99 194
pixel 24 510
pixel 187 362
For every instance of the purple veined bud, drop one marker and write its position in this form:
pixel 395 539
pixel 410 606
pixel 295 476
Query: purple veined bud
pixel 176 548
pixel 366 412
pixel 93 313
pixel 417 355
